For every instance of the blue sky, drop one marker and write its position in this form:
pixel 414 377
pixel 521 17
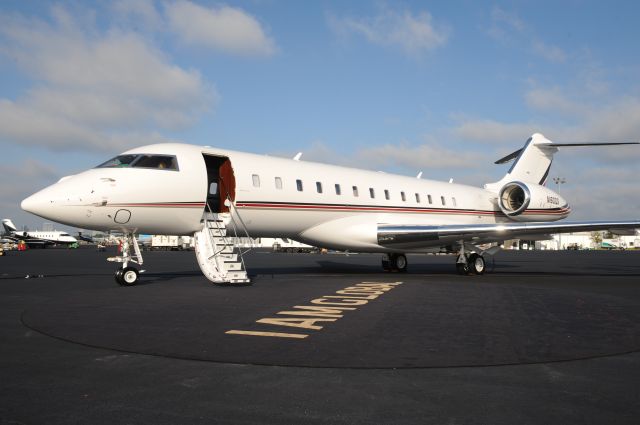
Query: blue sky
pixel 440 87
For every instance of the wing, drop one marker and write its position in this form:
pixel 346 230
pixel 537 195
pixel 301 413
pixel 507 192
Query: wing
pixel 416 237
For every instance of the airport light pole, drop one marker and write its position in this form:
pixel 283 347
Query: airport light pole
pixel 558 181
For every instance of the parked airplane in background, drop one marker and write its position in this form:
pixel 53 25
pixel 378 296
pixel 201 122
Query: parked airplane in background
pixel 37 238
pixel 181 189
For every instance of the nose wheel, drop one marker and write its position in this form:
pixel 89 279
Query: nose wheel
pixel 127 276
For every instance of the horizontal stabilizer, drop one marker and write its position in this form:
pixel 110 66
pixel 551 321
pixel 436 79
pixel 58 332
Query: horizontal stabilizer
pixel 557 145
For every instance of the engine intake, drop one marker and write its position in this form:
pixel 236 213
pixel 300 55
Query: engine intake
pixel 514 198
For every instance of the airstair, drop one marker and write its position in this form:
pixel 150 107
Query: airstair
pixel 218 249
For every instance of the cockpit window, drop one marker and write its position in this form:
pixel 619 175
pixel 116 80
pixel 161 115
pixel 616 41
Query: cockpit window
pixel 119 161
pixel 158 162
pixel 163 162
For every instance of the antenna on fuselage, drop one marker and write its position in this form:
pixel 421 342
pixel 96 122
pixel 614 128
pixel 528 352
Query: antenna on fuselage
pixel 419 176
pixel 298 156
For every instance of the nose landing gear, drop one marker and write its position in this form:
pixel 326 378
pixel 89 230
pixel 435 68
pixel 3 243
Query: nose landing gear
pixel 128 275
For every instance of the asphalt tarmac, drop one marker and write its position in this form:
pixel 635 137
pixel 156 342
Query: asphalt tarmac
pixel 543 337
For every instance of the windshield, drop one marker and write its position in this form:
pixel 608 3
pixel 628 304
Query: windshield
pixel 119 161
pixel 159 162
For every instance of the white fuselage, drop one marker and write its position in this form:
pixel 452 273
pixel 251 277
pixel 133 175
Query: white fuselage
pixel 327 212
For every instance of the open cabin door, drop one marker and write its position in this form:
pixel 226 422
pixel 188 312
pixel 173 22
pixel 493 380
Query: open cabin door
pixel 221 183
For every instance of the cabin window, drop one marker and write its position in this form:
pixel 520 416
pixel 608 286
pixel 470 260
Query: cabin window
pixel 338 190
pixel 442 199
pixel 429 199
pixel 417 197
pixel 403 197
pixel 386 194
pixel 319 187
pixel 455 204
pixel 372 193
pixel 355 191
pixel 299 185
pixel 256 180
pixel 278 183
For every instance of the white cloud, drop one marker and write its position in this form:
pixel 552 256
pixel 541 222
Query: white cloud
pixel 551 53
pixel 490 131
pixel 140 12
pixel 412 33
pixel 553 100
pixel 504 25
pixel 93 88
pixel 224 27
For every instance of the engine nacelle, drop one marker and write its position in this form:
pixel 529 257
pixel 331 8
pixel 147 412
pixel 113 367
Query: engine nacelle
pixel 531 202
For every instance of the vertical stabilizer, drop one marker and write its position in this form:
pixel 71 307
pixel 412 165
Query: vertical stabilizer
pixel 8 225
pixel 532 162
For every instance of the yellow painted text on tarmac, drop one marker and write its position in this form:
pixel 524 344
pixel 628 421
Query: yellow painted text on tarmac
pixel 328 308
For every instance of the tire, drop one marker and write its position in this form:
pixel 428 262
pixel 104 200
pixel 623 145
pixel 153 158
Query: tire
pixel 462 268
pixel 385 265
pixel 400 263
pixel 476 264
pixel 129 276
pixel 118 277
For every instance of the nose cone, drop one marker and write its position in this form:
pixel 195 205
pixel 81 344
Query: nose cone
pixel 35 204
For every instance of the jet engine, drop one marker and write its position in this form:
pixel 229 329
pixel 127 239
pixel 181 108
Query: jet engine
pixel 530 202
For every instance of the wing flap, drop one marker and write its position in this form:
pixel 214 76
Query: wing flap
pixel 421 236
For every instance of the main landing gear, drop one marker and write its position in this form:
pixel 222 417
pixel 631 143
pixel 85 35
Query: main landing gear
pixel 395 263
pixel 128 275
pixel 469 263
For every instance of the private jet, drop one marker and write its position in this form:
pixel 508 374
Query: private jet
pixel 219 195
pixel 37 238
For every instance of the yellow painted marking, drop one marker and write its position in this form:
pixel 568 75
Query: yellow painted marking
pixel 295 323
pixel 353 297
pixel 328 308
pixel 359 292
pixel 270 334
pixel 322 301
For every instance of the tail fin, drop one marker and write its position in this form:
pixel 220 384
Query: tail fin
pixel 533 162
pixel 9 227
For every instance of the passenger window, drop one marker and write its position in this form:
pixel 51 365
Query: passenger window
pixel 386 194
pixel 403 197
pixel 442 199
pixel 213 188
pixel 355 191
pixel 338 190
pixel 430 200
pixel 256 180
pixel 319 187
pixel 372 193
pixel 454 201
pixel 278 183
pixel 160 162
pixel 299 185
pixel 417 197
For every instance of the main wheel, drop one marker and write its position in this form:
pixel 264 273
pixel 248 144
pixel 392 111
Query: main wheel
pixel 400 263
pixel 129 276
pixel 476 264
